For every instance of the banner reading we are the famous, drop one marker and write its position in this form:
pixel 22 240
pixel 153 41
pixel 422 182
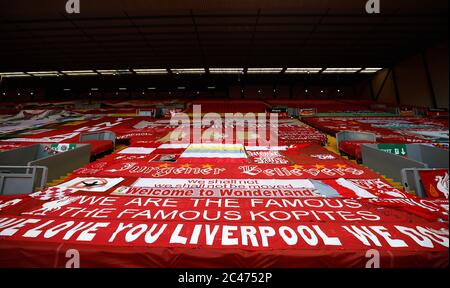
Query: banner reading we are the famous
pixel 243 210
pixel 223 209
pixel 7 202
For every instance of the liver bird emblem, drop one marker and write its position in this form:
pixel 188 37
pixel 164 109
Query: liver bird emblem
pixel 442 184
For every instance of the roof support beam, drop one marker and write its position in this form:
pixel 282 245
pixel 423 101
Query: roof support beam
pixel 429 81
pixel 199 42
pixel 394 81
pixel 372 93
pixel 252 40
pixel 382 84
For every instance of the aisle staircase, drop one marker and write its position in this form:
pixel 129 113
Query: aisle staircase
pixel 332 147
pixel 62 179
pixel 57 181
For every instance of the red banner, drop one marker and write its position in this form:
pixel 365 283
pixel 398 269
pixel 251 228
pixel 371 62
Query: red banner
pixel 365 188
pixel 401 237
pixel 253 210
pixel 426 208
pixel 7 202
pixel 435 182
pixel 71 133
pixel 229 170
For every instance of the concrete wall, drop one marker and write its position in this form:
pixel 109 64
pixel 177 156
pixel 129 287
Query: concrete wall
pixel 412 81
pixel 438 63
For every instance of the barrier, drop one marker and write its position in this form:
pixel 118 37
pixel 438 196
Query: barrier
pixel 414 156
pixel 103 135
pixel 57 163
pixel 412 180
pixel 22 179
pixel 354 135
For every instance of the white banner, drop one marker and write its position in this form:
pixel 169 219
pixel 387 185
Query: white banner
pixel 215 192
pixel 137 150
pixel 217 188
pixel 91 184
pixel 224 183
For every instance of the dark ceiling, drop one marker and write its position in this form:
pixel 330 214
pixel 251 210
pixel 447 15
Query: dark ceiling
pixel 114 34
